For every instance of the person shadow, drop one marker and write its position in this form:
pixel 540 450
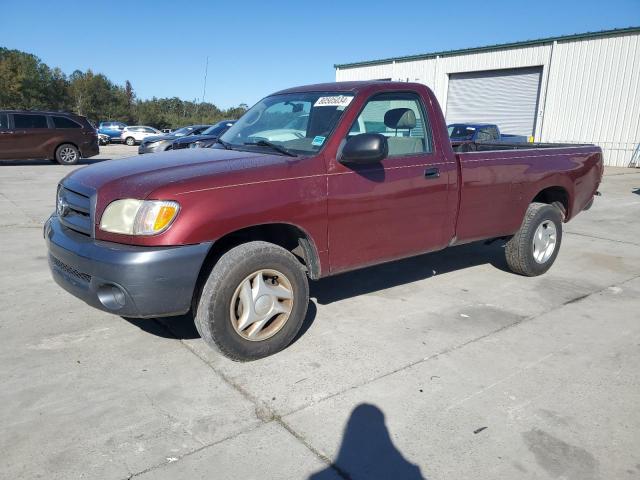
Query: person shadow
pixel 367 451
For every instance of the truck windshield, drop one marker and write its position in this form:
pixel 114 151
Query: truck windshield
pixel 301 123
pixel 461 132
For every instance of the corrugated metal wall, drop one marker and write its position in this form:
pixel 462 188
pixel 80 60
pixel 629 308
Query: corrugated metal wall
pixel 590 88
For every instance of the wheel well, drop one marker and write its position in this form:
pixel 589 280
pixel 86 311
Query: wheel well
pixel 556 196
pixel 287 236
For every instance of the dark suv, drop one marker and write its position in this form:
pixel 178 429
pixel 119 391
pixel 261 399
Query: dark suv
pixel 57 136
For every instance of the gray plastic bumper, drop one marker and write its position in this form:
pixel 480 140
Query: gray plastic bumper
pixel 126 280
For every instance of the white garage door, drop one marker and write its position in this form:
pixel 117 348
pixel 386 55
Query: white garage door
pixel 508 98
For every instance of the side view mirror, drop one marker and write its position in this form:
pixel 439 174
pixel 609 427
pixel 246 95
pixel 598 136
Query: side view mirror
pixel 365 148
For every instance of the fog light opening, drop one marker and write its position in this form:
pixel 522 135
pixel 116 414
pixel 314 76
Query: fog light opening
pixel 112 296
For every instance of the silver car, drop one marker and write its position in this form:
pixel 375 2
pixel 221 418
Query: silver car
pixel 160 143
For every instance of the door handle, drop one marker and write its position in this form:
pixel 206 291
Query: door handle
pixel 432 172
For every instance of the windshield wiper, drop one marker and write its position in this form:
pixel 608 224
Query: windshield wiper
pixel 224 144
pixel 273 146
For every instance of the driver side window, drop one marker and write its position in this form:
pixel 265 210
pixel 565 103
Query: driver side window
pixel 400 118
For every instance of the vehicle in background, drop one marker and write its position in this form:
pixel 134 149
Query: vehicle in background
pixel 234 232
pixel 205 139
pixel 57 136
pixel 135 134
pixel 160 143
pixel 464 134
pixel 103 139
pixel 166 130
pixel 294 129
pixel 112 129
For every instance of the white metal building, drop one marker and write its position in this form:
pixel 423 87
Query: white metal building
pixel 582 88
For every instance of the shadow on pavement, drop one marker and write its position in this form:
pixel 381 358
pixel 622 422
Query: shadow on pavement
pixel 400 272
pixel 180 327
pixel 351 284
pixel 183 327
pixel 367 451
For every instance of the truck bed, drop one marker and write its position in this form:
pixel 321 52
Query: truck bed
pixel 499 181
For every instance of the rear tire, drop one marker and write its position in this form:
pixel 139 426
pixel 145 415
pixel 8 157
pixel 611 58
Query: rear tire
pixel 67 154
pixel 534 248
pixel 130 141
pixel 254 302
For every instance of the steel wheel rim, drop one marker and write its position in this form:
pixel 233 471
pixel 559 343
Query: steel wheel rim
pixel 261 305
pixel 544 241
pixel 68 154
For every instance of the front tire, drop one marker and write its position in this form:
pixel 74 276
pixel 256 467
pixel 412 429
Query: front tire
pixel 254 301
pixel 130 141
pixel 534 248
pixel 67 154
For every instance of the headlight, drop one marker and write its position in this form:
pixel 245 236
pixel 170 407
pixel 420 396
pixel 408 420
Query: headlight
pixel 195 145
pixel 138 217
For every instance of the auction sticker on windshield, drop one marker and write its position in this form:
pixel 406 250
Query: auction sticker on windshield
pixel 318 141
pixel 333 101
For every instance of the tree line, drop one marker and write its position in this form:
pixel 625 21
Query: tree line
pixel 28 83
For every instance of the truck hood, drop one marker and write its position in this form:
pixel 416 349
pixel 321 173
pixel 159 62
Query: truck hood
pixel 172 172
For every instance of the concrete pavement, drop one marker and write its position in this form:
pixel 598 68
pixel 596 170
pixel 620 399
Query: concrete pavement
pixel 442 366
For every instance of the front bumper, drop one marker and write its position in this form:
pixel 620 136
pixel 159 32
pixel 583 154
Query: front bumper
pixel 126 280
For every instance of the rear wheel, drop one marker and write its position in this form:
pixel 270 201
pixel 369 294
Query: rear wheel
pixel 67 154
pixel 534 248
pixel 130 141
pixel 254 301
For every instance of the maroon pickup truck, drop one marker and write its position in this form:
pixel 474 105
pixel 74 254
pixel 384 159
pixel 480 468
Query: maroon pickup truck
pixel 310 182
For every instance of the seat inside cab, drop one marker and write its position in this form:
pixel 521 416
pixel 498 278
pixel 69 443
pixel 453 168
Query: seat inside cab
pixel 397 118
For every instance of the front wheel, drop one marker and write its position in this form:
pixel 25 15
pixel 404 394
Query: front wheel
pixel 130 141
pixel 534 248
pixel 254 301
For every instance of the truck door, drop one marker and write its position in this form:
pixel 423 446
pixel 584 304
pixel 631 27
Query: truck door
pixel 395 208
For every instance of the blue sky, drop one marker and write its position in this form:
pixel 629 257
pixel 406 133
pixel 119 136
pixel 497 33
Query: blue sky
pixel 257 47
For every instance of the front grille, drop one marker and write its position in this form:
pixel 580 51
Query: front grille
pixel 178 146
pixel 74 211
pixel 70 270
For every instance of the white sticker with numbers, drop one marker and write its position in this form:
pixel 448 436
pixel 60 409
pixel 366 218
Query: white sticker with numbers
pixel 333 101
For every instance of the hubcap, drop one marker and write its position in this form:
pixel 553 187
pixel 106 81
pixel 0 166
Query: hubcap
pixel 261 305
pixel 544 241
pixel 68 154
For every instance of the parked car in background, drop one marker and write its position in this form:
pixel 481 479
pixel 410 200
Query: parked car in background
pixel 112 129
pixel 234 232
pixel 135 134
pixel 57 136
pixel 204 139
pixel 166 130
pixel 160 143
pixel 463 134
pixel 103 139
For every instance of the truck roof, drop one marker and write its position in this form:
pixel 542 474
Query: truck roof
pixel 349 86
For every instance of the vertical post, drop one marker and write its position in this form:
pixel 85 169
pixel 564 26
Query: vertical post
pixel 543 100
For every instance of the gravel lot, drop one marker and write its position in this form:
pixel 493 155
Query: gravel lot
pixel 444 366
